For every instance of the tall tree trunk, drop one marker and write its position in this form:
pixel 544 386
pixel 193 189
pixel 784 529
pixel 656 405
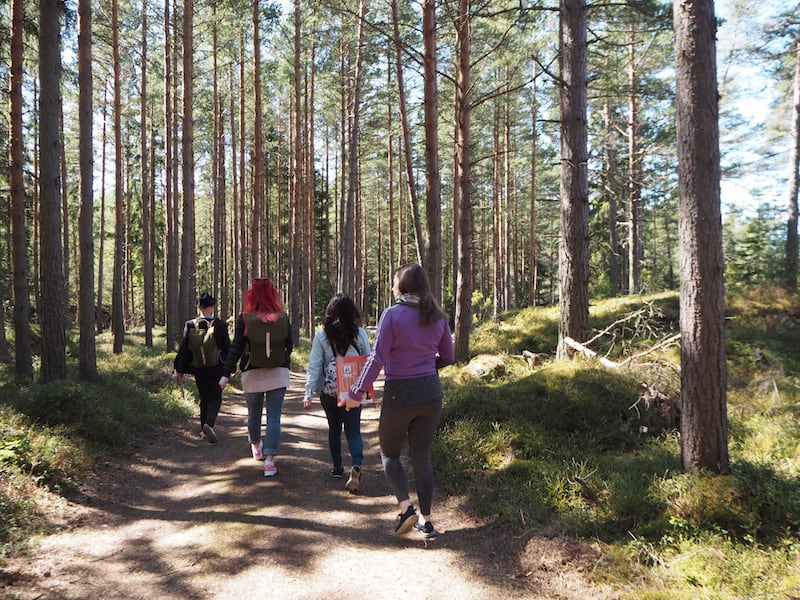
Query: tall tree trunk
pixel 297 184
pixel 171 266
pixel 99 312
pixel 635 248
pixel 52 317
pixel 148 269
pixel 610 192
pixel 23 353
pixel 463 159
pixel 794 179
pixel 433 177
pixel 533 261
pixel 117 287
pixel 86 310
pixel 347 282
pixel 246 271
pixel 704 423
pixel 573 260
pixel 65 245
pixel 409 159
pixel 188 278
pixel 257 260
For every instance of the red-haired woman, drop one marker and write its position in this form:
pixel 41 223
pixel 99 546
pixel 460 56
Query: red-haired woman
pixel 263 342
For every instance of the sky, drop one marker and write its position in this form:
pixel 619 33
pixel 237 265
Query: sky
pixel 752 95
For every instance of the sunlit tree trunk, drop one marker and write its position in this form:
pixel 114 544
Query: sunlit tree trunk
pixel 257 261
pixel 635 246
pixel 86 310
pixel 463 181
pixel 347 252
pixel 52 317
pixel 188 289
pixel 794 180
pixel 23 359
pixel 171 265
pixel 407 154
pixel 704 424
pixel 298 187
pixel 148 268
pixel 573 259
pixel 533 259
pixel 433 178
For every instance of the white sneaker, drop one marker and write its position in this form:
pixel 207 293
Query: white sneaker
pixel 270 470
pixel 257 450
pixel 209 431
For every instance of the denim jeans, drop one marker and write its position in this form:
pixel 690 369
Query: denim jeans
pixel 351 420
pixel 255 408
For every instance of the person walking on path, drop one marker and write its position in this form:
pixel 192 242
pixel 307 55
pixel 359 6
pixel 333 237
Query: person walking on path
pixel 262 343
pixel 341 335
pixel 203 349
pixel 412 343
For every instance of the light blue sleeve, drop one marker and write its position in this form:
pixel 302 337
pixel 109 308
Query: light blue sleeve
pixel 315 375
pixel 363 341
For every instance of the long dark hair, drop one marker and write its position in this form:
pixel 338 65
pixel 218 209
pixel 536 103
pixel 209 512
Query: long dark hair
pixel 342 320
pixel 412 279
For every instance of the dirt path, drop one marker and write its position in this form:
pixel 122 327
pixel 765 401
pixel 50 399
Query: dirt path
pixel 181 518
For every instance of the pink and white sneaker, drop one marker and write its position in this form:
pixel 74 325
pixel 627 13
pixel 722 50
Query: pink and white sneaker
pixel 257 450
pixel 270 470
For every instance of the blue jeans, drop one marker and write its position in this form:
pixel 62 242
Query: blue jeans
pixel 351 420
pixel 255 407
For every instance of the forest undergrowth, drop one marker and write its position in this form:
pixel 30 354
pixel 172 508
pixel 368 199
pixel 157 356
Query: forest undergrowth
pixel 537 446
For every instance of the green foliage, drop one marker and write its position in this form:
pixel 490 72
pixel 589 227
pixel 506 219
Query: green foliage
pixel 561 448
pixel 50 433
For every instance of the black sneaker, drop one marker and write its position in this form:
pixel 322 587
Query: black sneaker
pixel 406 521
pixel 427 531
pixel 337 473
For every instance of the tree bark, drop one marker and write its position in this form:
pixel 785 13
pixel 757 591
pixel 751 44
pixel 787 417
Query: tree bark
pixel 148 269
pixel 573 260
pixel 52 317
pixel 635 249
pixel 171 265
pixel 463 159
pixel 23 353
pixel 704 429
pixel 257 261
pixel 433 177
pixel 298 187
pixel 348 258
pixel 794 180
pixel 188 279
pixel 86 310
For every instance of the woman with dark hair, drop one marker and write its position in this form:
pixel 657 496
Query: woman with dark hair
pixel 341 335
pixel 413 342
pixel 263 342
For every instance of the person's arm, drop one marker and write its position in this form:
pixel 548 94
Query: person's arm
pixel 375 361
pixel 234 352
pixel 183 359
pixel 223 339
pixel 316 367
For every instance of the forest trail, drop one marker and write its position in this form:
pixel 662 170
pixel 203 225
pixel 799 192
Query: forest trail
pixel 181 518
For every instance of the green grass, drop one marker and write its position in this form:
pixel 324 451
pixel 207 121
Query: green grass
pixel 561 450
pixel 51 433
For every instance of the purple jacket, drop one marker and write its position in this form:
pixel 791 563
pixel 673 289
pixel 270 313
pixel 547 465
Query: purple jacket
pixel 404 348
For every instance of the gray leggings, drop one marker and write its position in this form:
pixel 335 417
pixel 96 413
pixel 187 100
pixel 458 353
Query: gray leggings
pixel 419 420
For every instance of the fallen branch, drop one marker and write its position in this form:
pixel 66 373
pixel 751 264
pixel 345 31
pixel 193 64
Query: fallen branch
pixel 590 353
pixel 615 365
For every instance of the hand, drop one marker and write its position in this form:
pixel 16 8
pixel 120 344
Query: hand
pixel 223 381
pixel 352 400
pixel 307 402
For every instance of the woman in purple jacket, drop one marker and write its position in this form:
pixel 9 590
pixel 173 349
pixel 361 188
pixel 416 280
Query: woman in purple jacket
pixel 413 342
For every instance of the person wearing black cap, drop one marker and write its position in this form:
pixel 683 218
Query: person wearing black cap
pixel 204 348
